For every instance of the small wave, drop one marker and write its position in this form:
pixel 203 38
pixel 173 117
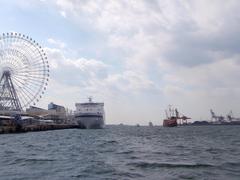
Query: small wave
pixel 108 143
pixel 9 152
pixel 111 142
pixel 79 176
pixel 162 153
pixel 100 171
pixel 133 157
pixel 128 174
pixel 167 165
pixel 33 160
pixel 234 164
pixel 214 150
pixel 125 152
pixel 233 167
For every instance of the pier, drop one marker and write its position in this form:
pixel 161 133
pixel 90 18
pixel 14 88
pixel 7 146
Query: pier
pixel 32 128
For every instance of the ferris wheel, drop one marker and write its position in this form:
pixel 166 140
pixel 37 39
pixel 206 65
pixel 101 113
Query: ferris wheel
pixel 24 71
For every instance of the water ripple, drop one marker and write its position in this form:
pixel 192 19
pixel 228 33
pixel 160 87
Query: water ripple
pixel 123 152
pixel 168 165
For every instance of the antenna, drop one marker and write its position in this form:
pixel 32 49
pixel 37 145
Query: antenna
pixel 90 99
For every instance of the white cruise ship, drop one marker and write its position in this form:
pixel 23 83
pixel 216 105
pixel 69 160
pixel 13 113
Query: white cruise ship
pixel 90 115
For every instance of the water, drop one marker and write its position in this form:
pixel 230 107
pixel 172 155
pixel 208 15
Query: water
pixel 122 152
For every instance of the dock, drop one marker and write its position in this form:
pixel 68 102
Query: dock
pixel 33 128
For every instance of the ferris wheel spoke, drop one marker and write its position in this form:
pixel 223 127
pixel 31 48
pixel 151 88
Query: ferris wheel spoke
pixel 34 77
pixel 32 73
pixel 38 68
pixel 27 75
pixel 35 50
pixel 21 81
pixel 36 85
pixel 26 42
pixel 23 98
pixel 33 83
pixel 38 58
pixel 37 65
pixel 39 62
pixel 24 68
pixel 23 84
pixel 26 93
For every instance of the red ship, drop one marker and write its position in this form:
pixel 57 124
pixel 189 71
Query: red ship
pixel 173 117
pixel 171 122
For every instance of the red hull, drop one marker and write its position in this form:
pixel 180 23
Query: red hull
pixel 170 122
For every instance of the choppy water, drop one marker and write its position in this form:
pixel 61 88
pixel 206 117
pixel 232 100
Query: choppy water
pixel 122 152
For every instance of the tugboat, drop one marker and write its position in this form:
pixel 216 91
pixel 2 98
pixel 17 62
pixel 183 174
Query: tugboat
pixel 150 124
pixel 172 117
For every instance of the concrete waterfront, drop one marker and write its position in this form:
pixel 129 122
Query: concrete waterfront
pixel 32 128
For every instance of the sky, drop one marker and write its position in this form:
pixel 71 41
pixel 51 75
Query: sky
pixel 136 56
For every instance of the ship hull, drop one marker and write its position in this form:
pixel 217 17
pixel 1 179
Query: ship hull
pixel 86 121
pixel 170 123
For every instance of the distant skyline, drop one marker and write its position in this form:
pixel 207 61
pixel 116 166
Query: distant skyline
pixel 136 56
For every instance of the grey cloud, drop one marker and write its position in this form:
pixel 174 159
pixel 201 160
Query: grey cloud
pixel 192 48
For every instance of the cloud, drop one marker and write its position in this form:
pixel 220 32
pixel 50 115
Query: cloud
pixel 186 24
pixel 130 81
pixel 56 43
pixel 219 74
pixel 63 14
pixel 185 50
pixel 94 74
pixel 79 67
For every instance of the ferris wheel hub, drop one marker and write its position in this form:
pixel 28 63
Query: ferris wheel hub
pixel 7 72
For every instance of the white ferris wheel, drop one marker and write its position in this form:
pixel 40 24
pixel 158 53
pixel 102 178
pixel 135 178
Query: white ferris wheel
pixel 24 71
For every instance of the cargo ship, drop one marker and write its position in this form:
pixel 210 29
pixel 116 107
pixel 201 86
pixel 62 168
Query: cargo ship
pixel 172 118
pixel 170 122
pixel 90 115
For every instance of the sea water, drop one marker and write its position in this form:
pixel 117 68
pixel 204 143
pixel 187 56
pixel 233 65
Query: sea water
pixel 123 152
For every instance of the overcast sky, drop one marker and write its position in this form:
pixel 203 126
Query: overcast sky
pixel 136 56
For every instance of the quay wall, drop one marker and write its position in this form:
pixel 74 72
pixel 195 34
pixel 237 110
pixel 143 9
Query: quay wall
pixel 32 128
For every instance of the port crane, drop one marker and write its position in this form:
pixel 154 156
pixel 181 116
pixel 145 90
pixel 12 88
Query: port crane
pixel 230 117
pixel 214 117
